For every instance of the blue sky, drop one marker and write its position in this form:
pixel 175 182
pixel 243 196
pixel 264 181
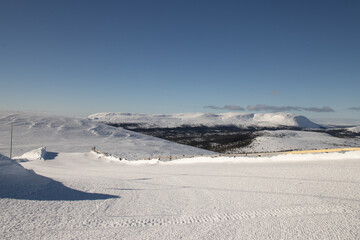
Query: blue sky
pixel 81 57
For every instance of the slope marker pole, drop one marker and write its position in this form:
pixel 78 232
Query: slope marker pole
pixel 11 139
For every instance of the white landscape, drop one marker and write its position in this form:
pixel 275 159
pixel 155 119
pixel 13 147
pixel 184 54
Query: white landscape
pixel 208 119
pixel 56 188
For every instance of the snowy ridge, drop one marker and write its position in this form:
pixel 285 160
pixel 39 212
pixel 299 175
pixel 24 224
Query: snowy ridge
pixel 64 134
pixel 354 129
pixel 207 119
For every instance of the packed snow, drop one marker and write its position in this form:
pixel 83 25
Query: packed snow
pixel 207 119
pixel 36 154
pixel 16 182
pixel 89 196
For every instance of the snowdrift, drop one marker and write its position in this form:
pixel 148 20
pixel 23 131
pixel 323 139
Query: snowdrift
pixel 20 183
pixel 36 154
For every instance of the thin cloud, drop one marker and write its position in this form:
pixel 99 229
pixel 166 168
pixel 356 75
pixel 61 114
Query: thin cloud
pixel 355 108
pixel 262 107
pixel 213 107
pixel 227 107
pixel 323 109
pixel 269 108
pixel 234 108
pixel 274 93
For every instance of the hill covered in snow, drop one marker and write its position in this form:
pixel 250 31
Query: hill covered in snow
pixel 354 129
pixel 235 132
pixel 65 134
pixel 206 119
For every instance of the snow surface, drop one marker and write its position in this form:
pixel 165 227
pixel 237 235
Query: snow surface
pixel 284 140
pixel 36 154
pixel 207 119
pixel 354 129
pixel 17 182
pixel 64 134
pixel 89 196
pixel 63 191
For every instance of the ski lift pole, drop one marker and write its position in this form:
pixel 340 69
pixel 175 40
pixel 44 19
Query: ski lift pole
pixel 11 139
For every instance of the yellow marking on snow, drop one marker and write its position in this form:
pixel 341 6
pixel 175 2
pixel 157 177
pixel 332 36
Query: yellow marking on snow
pixel 324 150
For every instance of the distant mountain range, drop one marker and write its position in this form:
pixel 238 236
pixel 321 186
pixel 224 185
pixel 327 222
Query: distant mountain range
pixel 273 120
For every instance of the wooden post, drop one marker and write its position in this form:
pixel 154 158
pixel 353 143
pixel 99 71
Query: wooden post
pixel 11 139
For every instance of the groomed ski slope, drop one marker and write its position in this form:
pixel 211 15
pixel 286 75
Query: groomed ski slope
pixel 311 196
pixel 64 191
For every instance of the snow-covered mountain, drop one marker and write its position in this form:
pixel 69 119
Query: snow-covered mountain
pixel 354 129
pixel 64 134
pixel 207 119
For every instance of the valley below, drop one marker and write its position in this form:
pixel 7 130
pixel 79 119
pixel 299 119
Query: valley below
pixel 229 139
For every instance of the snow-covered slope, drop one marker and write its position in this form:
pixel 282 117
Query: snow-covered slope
pixel 311 196
pixel 354 129
pixel 63 134
pixel 284 140
pixel 207 119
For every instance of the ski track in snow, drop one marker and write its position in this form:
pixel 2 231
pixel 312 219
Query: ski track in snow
pixel 113 221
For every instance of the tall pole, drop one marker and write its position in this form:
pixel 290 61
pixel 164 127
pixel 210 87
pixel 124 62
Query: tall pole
pixel 11 139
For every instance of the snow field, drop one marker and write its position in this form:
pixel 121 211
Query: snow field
pixel 285 140
pixel 214 200
pixel 64 191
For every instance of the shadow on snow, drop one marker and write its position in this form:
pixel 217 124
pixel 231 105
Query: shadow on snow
pixel 19 183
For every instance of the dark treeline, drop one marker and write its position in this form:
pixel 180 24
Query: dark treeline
pixel 221 139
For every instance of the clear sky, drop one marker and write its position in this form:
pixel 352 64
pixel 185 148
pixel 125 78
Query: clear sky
pixel 80 57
